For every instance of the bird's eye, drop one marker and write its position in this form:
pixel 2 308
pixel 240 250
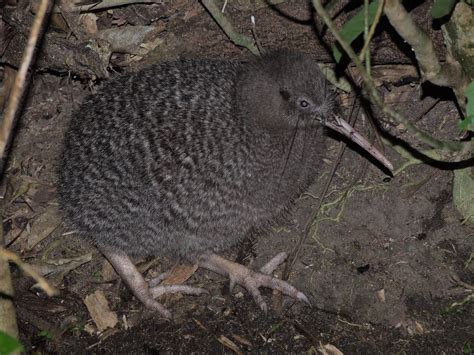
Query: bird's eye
pixel 304 103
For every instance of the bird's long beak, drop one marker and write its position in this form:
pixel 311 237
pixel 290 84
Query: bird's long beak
pixel 339 125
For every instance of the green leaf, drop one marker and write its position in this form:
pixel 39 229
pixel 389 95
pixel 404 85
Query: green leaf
pixel 276 327
pixel 463 193
pixel 470 99
pixel 8 344
pixel 45 335
pixel 442 8
pixel 467 348
pixel 354 28
pixel 468 123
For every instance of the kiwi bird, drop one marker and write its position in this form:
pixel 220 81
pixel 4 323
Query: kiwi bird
pixel 187 157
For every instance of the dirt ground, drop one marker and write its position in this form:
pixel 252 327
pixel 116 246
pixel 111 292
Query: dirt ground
pixel 389 258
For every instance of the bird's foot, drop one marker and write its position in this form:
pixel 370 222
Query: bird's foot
pixel 252 280
pixel 144 292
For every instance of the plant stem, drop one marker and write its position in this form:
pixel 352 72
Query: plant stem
pixel 458 147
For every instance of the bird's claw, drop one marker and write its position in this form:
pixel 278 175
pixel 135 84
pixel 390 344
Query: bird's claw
pixel 252 280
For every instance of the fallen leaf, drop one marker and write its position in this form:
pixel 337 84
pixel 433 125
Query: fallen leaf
pixel 9 75
pixel 419 328
pixel 99 311
pixel 381 295
pixel 89 22
pixel 241 340
pixel 328 349
pixel 179 274
pixel 463 193
pixel 229 344
pixel 56 269
pixel 199 324
pixel 43 226
pixel 108 272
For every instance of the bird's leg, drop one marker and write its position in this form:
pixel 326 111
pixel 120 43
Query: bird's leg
pixel 140 288
pixel 252 280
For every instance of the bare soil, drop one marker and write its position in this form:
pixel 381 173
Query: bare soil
pixel 389 258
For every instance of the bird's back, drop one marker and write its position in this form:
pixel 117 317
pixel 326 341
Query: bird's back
pixel 161 162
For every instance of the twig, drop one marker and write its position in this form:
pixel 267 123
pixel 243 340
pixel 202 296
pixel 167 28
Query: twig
pixel 12 257
pixel 370 118
pixel 7 311
pixel 366 36
pixel 18 86
pixel 294 256
pixel 460 148
pixel 455 278
pixel 8 322
pixel 371 33
pixel 107 4
pixel 228 29
pixel 309 226
pixel 258 43
pixel 468 299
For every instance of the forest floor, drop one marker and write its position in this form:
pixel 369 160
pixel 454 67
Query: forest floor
pixel 389 258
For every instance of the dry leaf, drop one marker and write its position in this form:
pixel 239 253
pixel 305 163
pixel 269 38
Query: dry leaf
pixel 179 274
pixel 393 73
pixel 89 22
pixel 108 272
pixel 381 295
pixel 99 311
pixel 9 75
pixel 137 40
pixel 230 344
pixel 419 328
pixel 43 226
pixel 57 269
pixel 241 340
pixel 199 324
pixel 328 349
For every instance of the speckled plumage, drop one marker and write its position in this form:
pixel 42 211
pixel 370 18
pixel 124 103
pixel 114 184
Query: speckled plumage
pixel 188 156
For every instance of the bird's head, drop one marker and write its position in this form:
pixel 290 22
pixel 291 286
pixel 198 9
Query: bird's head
pixel 287 91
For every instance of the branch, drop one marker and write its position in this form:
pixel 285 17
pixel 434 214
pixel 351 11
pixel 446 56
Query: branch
pixel 8 322
pixel 371 33
pixel 448 74
pixel 18 86
pixel 107 4
pixel 28 269
pixel 462 147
